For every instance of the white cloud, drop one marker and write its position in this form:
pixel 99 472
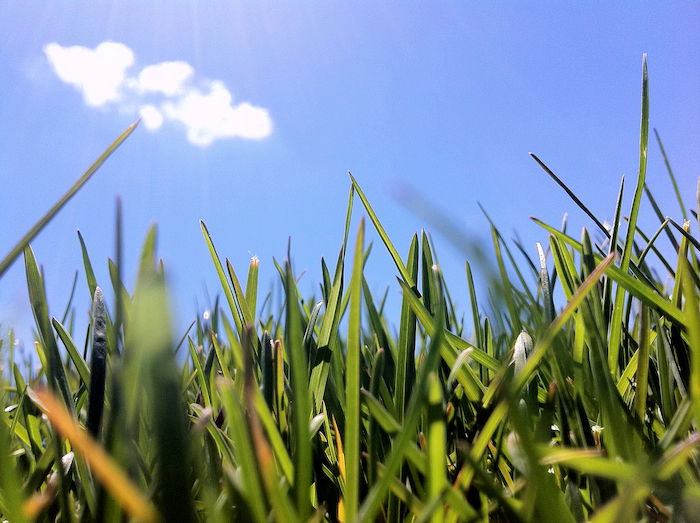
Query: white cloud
pixel 151 117
pixel 166 78
pixel 165 92
pixel 211 116
pixel 97 73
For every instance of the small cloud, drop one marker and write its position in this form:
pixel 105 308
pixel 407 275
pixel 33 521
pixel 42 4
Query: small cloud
pixel 97 73
pixel 166 78
pixel 165 92
pixel 211 116
pixel 152 118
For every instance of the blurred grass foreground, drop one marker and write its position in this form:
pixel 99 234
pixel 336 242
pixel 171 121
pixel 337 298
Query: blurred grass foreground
pixel 330 410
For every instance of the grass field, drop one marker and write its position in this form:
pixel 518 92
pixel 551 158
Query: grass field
pixel 330 409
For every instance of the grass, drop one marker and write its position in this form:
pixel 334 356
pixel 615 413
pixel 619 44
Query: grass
pixel 528 411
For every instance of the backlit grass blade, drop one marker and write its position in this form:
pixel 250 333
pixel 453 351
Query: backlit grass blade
pixel 149 340
pixel 72 351
pixel 246 316
pixel 505 284
pixel 544 343
pixel 588 461
pixel 276 441
pixel 331 316
pixel 37 299
pixel 222 277
pixel 634 286
pixel 371 505
pixel 89 272
pixel 301 409
pixel 11 496
pixel 352 384
pixel 640 396
pixel 201 377
pixel 616 321
pixel 406 347
pixel 245 454
pixel 474 307
pixel 692 311
pixel 147 258
pixel 685 233
pixel 437 446
pixel 251 286
pixel 547 301
pixel 44 220
pixel 103 467
pixel 383 235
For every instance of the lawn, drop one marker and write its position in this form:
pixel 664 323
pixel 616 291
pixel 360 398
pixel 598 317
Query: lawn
pixel 328 408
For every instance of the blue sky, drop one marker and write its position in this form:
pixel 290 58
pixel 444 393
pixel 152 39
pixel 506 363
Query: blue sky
pixel 269 105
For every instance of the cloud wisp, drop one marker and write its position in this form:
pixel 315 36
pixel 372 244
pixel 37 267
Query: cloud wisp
pixel 162 93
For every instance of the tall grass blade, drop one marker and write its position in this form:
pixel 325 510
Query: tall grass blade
pixel 352 385
pixel 104 468
pixel 98 365
pixel 616 322
pixel 44 220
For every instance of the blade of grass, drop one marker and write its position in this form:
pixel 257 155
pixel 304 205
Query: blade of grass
pixel 106 470
pixel 37 298
pixel 222 277
pixel 44 220
pixel 635 287
pixel 98 365
pixel 352 384
pixel 383 235
pixel 681 205
pixel 300 388
pixel 437 446
pixel 616 321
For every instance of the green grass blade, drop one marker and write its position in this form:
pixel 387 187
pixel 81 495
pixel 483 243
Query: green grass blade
pixel 11 496
pixel 301 410
pixel 98 364
pixel 89 272
pixel 437 446
pixel 251 286
pixel 648 295
pixel 222 277
pixel 245 455
pixel 571 194
pixel 331 317
pixel 681 205
pixel 692 311
pixel 44 220
pixel 371 505
pixel 246 316
pixel 545 342
pixel 406 346
pixel 37 299
pixel 352 384
pixel 616 321
pixel 383 235
pixel 72 351
pixel 474 307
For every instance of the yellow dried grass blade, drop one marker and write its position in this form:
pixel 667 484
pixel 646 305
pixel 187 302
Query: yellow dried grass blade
pixel 102 465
